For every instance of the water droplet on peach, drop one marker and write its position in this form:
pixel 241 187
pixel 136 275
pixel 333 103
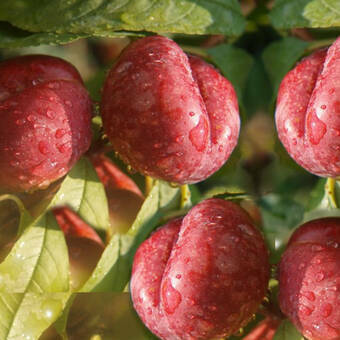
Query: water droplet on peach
pixel 20 121
pixel 172 298
pixel 43 148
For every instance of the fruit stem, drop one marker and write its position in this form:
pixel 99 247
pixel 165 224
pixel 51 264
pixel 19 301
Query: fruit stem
pixel 185 196
pixel 330 192
pixel 148 185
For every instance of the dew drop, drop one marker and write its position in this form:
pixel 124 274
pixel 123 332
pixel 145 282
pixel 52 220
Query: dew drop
pixel 319 276
pixel 31 118
pixel 68 103
pixel 317 129
pixel 14 163
pixel 43 148
pixel 172 298
pixel 157 145
pixel 302 265
pixel 310 296
pixel 60 133
pixel 323 107
pixel 63 147
pixel 198 135
pixel 178 276
pixel 333 244
pixel 326 310
pixel 191 114
pixel 316 247
pixel 305 310
pixel 20 121
pixel 50 114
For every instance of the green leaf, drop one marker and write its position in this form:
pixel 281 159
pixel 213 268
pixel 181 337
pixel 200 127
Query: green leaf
pixel 323 13
pixel 258 92
pixel 83 192
pixel 26 316
pixel 287 331
pixel 288 14
pixel 101 17
pixel 113 269
pixel 106 316
pixel 280 56
pixel 305 13
pixel 61 324
pixel 38 261
pixel 235 64
pixel 95 83
pixel 12 37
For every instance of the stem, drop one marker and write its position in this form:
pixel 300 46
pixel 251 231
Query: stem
pixel 148 185
pixel 185 196
pixel 330 192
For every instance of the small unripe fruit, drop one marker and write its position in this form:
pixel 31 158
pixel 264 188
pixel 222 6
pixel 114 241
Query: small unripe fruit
pixel 203 276
pixel 308 112
pixel 309 278
pixel 168 115
pixel 45 112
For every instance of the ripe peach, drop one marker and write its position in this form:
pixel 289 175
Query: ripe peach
pixel 169 115
pixel 308 112
pixel 203 276
pixel 309 279
pixel 45 112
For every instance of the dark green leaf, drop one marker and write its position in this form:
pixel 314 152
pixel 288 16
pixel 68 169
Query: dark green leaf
pixel 287 331
pixel 235 64
pixel 26 316
pixel 280 56
pixel 113 269
pixel 104 17
pixel 83 192
pixel 38 261
pixel 258 92
pixel 289 14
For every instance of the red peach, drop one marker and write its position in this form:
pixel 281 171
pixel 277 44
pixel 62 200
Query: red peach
pixel 309 278
pixel 168 115
pixel 203 276
pixel 45 111
pixel 308 112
